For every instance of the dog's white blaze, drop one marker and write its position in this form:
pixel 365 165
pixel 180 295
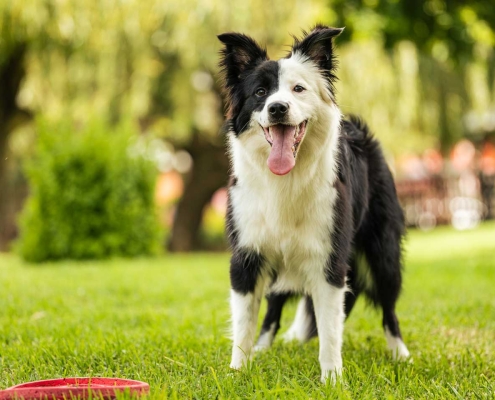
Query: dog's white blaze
pixel 289 219
pixel 399 349
pixel 311 102
pixel 299 330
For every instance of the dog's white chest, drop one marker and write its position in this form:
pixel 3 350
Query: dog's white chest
pixel 289 225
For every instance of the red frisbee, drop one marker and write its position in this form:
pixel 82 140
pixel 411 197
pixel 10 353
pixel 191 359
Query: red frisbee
pixel 81 388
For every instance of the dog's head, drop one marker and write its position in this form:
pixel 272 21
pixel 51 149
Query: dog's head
pixel 281 101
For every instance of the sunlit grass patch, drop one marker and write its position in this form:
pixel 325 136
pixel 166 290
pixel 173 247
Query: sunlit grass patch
pixel 165 321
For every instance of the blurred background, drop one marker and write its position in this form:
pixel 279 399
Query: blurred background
pixel 110 114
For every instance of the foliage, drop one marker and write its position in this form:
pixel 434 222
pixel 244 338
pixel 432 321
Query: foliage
pixel 422 73
pixel 149 59
pixel 89 197
pixel 164 321
pixel 444 57
pixel 156 61
pixel 444 28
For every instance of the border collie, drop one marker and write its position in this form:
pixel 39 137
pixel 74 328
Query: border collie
pixel 312 206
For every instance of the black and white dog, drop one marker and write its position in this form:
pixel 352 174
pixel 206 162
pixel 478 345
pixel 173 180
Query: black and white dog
pixel 312 204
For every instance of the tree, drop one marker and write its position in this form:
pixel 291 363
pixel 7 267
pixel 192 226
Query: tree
pixel 13 48
pixel 195 116
pixel 155 62
pixel 139 59
pixel 449 35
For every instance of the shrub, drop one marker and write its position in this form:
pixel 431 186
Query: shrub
pixel 89 197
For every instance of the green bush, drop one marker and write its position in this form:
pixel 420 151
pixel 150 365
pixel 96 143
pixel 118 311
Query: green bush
pixel 89 197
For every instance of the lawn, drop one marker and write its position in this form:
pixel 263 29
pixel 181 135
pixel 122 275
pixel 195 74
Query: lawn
pixel 165 321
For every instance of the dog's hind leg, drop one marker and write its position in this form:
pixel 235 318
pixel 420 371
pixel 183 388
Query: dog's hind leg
pixel 303 327
pixel 382 248
pixel 393 336
pixel 271 323
pixel 385 267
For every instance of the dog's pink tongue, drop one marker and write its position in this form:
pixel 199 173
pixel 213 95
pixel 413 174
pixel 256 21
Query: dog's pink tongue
pixel 281 159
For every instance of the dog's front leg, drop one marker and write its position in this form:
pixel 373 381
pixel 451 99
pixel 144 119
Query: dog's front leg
pixel 245 298
pixel 329 310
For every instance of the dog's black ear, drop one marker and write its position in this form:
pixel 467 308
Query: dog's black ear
pixel 239 54
pixel 317 45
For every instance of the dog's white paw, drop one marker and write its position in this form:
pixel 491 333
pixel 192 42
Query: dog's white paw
pixel 289 336
pixel 294 335
pixel 236 366
pixel 398 348
pixel 260 347
pixel 239 360
pixel 401 353
pixel 331 375
pixel 264 341
pixel 402 356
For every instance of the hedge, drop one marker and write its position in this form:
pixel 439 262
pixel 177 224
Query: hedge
pixel 89 197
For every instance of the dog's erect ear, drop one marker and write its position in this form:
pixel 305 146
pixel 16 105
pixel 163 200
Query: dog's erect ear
pixel 317 46
pixel 239 54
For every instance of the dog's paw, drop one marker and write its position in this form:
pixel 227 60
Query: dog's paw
pixel 260 347
pixel 293 335
pixel 331 375
pixel 400 351
pixel 235 366
pixel 289 336
pixel 239 360
pixel 397 346
pixel 264 342
pixel 404 357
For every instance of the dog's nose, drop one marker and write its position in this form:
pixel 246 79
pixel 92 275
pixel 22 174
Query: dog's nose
pixel 278 109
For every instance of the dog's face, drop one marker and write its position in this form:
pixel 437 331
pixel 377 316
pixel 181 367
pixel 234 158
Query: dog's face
pixel 278 100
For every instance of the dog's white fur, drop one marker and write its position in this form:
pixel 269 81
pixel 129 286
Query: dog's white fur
pixel 299 329
pixel 289 219
pixel 399 349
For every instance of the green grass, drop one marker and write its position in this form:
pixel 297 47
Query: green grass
pixel 165 321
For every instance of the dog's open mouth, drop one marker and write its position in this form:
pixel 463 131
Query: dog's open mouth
pixel 284 141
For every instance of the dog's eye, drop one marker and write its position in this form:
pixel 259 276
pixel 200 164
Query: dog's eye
pixel 260 92
pixel 298 89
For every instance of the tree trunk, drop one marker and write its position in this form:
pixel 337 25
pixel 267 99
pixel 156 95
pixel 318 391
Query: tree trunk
pixel 209 173
pixel 11 74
